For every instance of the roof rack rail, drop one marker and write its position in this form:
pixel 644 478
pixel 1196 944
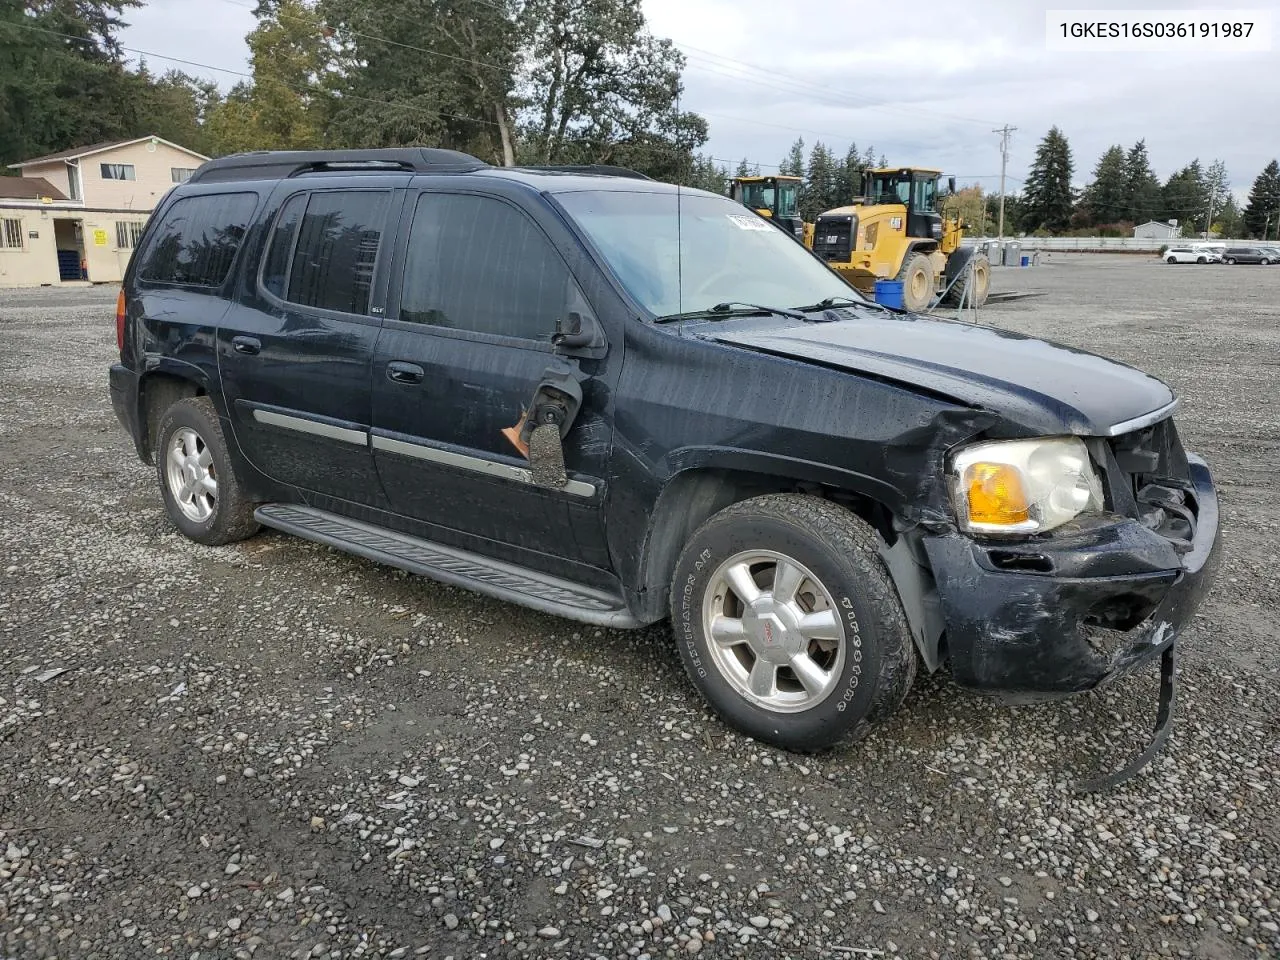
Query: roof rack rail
pixel 599 169
pixel 274 164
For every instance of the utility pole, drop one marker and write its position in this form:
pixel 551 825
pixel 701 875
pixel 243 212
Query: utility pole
pixel 1004 162
pixel 1208 220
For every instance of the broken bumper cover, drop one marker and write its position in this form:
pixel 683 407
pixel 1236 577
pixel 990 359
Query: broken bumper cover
pixel 123 384
pixel 1046 619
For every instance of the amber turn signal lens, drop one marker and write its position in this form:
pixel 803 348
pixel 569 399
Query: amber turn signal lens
pixel 995 494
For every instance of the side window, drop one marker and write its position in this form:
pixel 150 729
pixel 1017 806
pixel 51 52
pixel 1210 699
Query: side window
pixel 197 240
pixel 478 264
pixel 275 266
pixel 337 248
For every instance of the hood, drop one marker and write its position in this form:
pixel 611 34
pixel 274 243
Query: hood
pixel 1043 386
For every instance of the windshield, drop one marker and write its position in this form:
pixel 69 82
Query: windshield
pixel 728 253
pixel 889 189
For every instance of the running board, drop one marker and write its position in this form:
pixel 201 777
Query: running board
pixel 461 568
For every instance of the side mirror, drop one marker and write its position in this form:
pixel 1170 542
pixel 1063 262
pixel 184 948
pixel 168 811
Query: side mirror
pixel 951 184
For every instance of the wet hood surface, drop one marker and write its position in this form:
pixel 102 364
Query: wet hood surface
pixel 1041 385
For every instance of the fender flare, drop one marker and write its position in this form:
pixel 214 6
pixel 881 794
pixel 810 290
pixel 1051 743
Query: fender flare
pixel 700 481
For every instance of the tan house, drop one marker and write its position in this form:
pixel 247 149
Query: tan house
pixel 75 216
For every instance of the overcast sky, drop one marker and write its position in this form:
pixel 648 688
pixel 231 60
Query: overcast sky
pixel 925 82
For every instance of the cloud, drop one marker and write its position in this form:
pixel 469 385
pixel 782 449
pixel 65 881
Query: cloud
pixel 924 83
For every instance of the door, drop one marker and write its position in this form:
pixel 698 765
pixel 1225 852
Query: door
pixel 464 347
pixel 296 351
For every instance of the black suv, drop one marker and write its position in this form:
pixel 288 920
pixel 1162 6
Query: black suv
pixel 618 401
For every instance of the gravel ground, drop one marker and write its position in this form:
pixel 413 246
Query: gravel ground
pixel 276 750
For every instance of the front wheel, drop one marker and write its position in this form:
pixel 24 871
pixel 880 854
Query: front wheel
pixel 1230 260
pixel 788 624
pixel 1201 260
pixel 918 282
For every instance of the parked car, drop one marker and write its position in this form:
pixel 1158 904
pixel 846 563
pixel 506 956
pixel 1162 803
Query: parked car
pixel 1186 253
pixel 624 402
pixel 1247 255
pixel 1272 253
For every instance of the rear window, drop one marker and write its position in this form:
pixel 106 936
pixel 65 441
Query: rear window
pixel 196 241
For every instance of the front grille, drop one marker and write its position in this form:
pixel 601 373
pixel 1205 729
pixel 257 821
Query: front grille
pixel 1148 479
pixel 833 238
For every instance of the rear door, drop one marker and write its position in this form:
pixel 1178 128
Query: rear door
pixel 178 293
pixel 467 339
pixel 296 351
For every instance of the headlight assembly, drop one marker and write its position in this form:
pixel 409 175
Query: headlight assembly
pixel 1020 487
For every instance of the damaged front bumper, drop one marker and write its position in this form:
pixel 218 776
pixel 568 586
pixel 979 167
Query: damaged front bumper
pixel 1049 618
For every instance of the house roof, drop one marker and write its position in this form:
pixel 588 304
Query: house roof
pixel 1157 223
pixel 100 148
pixel 29 188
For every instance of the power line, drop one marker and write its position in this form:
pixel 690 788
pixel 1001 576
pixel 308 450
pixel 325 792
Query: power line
pixel 773 74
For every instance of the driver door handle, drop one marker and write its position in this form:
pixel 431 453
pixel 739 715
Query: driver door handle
pixel 249 345
pixel 402 372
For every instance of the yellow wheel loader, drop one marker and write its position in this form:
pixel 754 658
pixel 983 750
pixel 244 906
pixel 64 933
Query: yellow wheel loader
pixel 777 198
pixel 895 232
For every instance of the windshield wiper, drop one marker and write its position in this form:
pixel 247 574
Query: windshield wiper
pixel 850 301
pixel 723 311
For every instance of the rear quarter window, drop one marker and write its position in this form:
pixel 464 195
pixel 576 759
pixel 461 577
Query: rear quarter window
pixel 197 239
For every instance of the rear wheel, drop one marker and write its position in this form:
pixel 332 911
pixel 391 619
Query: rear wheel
pixel 977 294
pixel 1171 260
pixel 918 282
pixel 788 624
pixel 201 493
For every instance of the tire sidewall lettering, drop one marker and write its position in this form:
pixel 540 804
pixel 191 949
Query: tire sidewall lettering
pixel 853 652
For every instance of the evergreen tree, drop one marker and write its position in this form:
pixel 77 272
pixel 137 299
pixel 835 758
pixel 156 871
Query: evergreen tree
pixel 1143 198
pixel 1227 218
pixel 818 191
pixel 793 163
pixel 708 175
pixel 67 87
pixel 744 169
pixel 1013 210
pixel 1185 197
pixel 848 178
pixel 1263 208
pixel 1104 199
pixel 1048 197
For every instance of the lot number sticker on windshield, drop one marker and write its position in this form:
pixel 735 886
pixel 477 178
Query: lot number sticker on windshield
pixel 748 223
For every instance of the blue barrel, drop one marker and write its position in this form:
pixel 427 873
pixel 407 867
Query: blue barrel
pixel 889 293
pixel 1026 261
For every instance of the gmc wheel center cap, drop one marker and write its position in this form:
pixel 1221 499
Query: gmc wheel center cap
pixel 772 631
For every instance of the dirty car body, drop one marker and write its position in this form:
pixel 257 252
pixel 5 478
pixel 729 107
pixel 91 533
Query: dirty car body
pixel 1024 618
pixel 700 359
